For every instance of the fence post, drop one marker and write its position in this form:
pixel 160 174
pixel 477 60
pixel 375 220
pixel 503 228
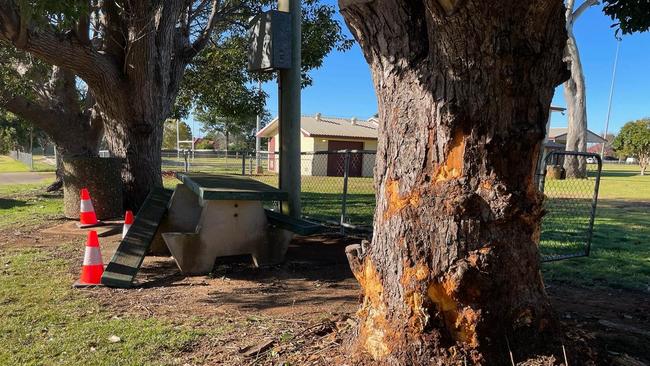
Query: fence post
pixel 187 162
pixel 346 170
pixel 243 164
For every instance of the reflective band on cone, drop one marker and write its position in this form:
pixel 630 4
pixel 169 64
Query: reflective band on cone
pixel 128 220
pixel 86 210
pixel 93 266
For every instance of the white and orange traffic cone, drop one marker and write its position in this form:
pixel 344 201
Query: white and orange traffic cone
pixel 87 217
pixel 128 221
pixel 93 267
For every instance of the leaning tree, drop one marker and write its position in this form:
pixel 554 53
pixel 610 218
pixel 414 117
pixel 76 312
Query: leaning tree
pixel 49 98
pixel 635 17
pixel 132 55
pixel 575 94
pixel 452 275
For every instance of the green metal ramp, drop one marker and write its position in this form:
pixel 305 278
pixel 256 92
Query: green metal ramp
pixel 126 261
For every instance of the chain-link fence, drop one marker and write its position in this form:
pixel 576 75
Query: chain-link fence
pixel 23 157
pixel 570 205
pixel 337 189
pixel 336 186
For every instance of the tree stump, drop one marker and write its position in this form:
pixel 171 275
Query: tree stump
pixel 554 172
pixel 103 179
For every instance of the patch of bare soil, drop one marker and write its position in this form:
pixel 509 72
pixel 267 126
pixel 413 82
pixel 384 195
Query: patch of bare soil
pixel 301 312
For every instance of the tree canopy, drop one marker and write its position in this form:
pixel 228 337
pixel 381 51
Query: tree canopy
pixel 630 16
pixel 634 141
pixel 169 133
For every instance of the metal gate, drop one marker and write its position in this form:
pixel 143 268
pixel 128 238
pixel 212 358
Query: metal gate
pixel 570 205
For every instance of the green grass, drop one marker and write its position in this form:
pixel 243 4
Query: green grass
pixel 24 205
pixel 43 165
pixel 45 322
pixel 8 165
pixel 620 251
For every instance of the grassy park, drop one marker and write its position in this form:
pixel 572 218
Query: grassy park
pixel 71 327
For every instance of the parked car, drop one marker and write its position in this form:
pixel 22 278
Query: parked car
pixel 631 161
pixel 591 160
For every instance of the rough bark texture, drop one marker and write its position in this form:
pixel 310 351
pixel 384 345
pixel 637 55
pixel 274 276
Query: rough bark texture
pixel 464 88
pixel 575 95
pixel 101 176
pixel 133 64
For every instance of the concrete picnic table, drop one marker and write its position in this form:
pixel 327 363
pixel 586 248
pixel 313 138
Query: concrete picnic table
pixel 213 216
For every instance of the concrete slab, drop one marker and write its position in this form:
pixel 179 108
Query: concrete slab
pixel 111 227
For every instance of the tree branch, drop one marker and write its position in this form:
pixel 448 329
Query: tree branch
pixel 204 38
pixel 64 50
pixel 581 9
pixel 40 116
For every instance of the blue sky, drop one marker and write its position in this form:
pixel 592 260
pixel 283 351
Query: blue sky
pixel 343 85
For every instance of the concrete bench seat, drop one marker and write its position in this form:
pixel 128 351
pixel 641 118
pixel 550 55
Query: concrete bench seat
pixel 298 226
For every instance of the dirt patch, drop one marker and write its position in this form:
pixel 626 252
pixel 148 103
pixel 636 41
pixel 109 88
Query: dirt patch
pixel 302 311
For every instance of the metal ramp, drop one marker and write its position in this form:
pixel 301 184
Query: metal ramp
pixel 126 261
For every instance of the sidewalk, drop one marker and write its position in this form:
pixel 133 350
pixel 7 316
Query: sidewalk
pixel 25 177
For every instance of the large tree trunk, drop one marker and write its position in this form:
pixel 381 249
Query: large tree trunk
pixel 139 144
pixel 452 274
pixel 576 100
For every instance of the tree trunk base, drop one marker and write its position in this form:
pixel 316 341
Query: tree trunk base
pixel 101 176
pixel 57 185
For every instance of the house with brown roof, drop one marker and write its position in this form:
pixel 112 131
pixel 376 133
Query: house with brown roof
pixel 320 134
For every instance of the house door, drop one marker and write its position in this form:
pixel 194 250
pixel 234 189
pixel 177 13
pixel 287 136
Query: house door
pixel 336 162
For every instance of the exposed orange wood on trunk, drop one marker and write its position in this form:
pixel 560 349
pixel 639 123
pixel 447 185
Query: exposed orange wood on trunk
pixel 460 321
pixel 397 202
pixel 411 278
pixel 374 330
pixel 453 164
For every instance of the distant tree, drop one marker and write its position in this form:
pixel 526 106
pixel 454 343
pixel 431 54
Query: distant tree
pixel 205 144
pixel 634 141
pixel 238 128
pixel 13 132
pixel 169 133
pixel 631 16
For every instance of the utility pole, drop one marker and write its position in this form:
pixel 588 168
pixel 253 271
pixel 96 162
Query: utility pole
pixel 258 165
pixel 611 94
pixel 289 114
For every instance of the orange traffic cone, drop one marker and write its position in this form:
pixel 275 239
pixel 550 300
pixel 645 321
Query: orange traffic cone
pixel 87 217
pixel 128 221
pixel 93 267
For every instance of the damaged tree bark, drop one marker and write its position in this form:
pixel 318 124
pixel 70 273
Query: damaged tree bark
pixel 452 274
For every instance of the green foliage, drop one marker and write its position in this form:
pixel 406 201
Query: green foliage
pixel 218 78
pixel 14 132
pixel 169 133
pixel 239 128
pixel 204 144
pixel 630 15
pixel 634 141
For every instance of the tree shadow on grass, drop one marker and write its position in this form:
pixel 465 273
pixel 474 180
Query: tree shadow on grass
pixel 9 203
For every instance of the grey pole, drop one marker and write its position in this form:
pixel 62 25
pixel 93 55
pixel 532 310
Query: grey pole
pixel 289 113
pixel 178 141
pixel 611 94
pixel 257 138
